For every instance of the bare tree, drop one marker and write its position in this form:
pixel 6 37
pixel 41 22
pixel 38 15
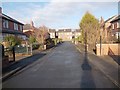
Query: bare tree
pixel 41 34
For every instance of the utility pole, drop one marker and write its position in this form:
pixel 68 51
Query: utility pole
pixel 118 36
pixel 101 27
pixel 100 41
pixel 86 41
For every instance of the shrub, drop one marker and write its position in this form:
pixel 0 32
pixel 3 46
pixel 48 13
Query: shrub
pixel 13 40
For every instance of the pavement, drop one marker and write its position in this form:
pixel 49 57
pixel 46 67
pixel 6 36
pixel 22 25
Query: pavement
pixel 63 67
pixel 21 62
pixel 106 64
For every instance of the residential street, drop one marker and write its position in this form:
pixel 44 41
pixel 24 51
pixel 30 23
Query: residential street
pixel 63 67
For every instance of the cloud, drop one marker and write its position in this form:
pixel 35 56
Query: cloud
pixel 60 0
pixel 58 12
pixel 55 13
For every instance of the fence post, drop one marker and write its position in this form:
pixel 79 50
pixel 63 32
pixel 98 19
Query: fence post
pixel 27 48
pixel 13 50
pixel 2 50
pixel 31 49
pixel 44 47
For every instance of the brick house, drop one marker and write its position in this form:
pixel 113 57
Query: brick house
pixel 65 34
pixel 116 27
pixel 10 26
pixel 68 34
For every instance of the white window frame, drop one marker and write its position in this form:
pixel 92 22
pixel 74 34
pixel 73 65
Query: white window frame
pixel 112 26
pixel 5 23
pixel 118 25
pixel 15 26
pixel 21 28
pixel 68 33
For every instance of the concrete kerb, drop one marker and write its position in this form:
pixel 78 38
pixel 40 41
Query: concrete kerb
pixel 12 73
pixel 108 76
pixel 18 69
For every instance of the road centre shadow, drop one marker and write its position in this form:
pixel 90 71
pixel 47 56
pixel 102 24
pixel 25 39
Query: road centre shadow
pixel 87 80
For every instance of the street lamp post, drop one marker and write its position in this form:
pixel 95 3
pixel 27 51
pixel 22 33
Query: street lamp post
pixel 101 27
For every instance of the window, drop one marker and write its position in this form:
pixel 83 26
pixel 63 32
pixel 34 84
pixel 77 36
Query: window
pixel 67 33
pixel 21 27
pixel 112 26
pixel 118 25
pixel 115 26
pixel 5 23
pixel 15 26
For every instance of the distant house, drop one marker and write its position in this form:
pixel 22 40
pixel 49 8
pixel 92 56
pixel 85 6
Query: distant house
pixel 11 26
pixel 52 33
pixel 76 33
pixel 65 34
pixel 116 27
pixel 28 29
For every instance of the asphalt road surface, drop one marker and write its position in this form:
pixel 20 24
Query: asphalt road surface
pixel 62 67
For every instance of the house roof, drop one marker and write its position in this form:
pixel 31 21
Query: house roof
pixel 64 30
pixel 27 27
pixel 77 30
pixel 61 30
pixel 111 18
pixel 28 33
pixel 51 30
pixel 68 30
pixel 11 19
pixel 116 19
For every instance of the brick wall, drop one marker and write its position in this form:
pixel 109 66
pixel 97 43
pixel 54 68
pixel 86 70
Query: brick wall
pixel 11 25
pixel 113 48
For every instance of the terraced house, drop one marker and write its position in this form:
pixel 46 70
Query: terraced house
pixel 76 33
pixel 65 34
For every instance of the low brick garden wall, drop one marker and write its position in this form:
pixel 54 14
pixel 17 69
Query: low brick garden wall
pixel 108 48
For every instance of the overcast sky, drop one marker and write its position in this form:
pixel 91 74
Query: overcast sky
pixel 58 14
